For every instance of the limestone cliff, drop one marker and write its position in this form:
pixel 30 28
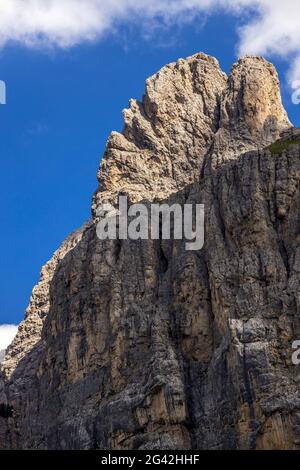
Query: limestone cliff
pixel 142 344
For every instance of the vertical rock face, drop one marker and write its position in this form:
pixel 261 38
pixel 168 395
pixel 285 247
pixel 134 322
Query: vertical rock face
pixel 166 136
pixel 251 111
pixel 192 117
pixel 142 344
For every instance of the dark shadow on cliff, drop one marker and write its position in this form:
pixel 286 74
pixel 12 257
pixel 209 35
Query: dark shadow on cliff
pixel 52 383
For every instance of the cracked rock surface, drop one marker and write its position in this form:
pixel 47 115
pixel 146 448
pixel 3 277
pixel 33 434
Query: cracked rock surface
pixel 143 344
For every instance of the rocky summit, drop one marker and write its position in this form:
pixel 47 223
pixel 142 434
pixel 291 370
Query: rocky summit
pixel 145 345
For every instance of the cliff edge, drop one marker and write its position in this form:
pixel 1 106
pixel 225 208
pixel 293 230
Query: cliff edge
pixel 143 344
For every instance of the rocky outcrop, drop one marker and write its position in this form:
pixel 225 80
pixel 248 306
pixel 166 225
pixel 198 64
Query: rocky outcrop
pixel 191 119
pixel 142 344
pixel 28 337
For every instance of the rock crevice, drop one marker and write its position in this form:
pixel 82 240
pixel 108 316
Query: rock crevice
pixel 144 345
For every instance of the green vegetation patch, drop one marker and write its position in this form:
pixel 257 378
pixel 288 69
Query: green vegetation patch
pixel 281 145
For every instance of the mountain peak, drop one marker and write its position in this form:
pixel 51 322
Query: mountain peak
pixel 141 344
pixel 192 119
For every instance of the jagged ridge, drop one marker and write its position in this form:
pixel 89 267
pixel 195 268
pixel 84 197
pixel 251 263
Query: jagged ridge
pixel 145 345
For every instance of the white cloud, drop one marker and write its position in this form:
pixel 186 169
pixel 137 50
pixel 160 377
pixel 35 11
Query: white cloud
pixel 7 334
pixel 273 29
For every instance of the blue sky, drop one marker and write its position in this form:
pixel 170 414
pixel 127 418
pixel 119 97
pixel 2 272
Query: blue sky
pixel 61 106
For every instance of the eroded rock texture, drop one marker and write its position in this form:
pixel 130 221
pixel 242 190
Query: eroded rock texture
pixel 144 345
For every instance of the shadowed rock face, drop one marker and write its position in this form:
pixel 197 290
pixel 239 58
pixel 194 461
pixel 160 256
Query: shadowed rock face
pixel 145 345
pixel 192 118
